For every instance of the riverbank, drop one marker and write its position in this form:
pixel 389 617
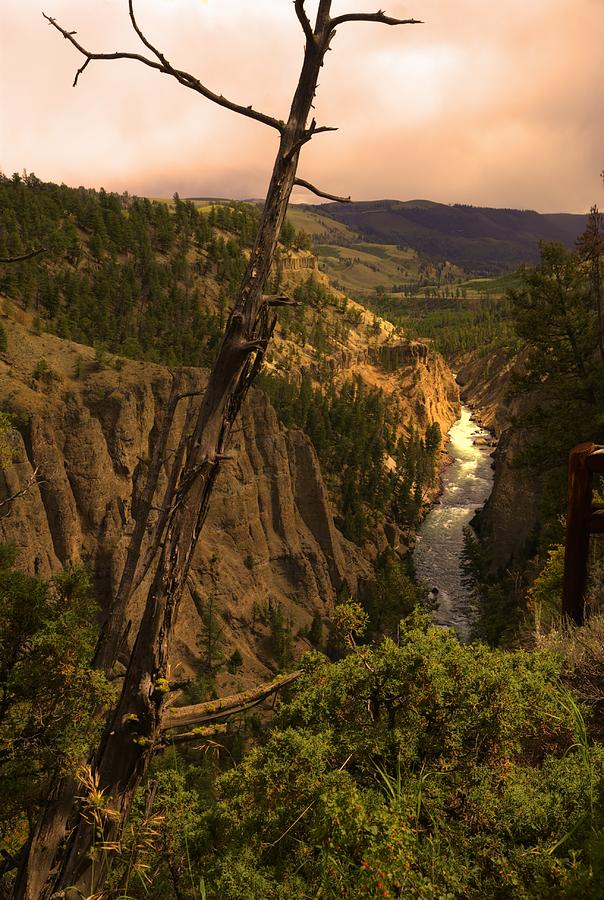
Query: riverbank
pixel 467 483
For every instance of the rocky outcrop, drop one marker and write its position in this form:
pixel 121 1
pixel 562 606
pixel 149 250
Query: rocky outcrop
pixel 269 538
pixel 300 260
pixel 510 515
pixel 509 518
pixel 394 356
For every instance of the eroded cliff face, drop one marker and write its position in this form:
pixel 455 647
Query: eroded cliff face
pixel 269 536
pixel 510 516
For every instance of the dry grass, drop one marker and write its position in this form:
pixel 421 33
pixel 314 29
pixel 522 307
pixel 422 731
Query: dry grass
pixel 583 652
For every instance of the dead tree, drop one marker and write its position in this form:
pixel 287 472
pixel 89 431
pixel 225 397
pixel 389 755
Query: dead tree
pixel 64 865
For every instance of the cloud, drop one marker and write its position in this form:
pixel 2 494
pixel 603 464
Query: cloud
pixel 495 104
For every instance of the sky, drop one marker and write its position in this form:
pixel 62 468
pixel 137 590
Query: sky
pixel 489 102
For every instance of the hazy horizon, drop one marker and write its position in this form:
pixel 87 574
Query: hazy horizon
pixel 486 105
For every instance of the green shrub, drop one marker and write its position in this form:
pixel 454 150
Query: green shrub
pixel 41 369
pixel 50 695
pixel 421 770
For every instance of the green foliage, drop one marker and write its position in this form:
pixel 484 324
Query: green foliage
pixel 350 622
pixel 48 692
pixel 419 770
pixel 211 640
pixel 315 633
pixel 235 661
pixel 545 594
pixel 391 597
pixel 553 314
pixel 495 595
pixel 3 339
pixel 281 641
pixel 303 240
pixel 454 326
pixel 40 369
pixel 288 234
pixel 163 833
pixel 556 313
pixel 123 272
pixel 353 429
pixel 312 293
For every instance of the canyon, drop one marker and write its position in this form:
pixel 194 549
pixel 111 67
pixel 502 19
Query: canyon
pixel 270 541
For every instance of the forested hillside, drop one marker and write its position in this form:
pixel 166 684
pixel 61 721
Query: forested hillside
pixel 479 239
pixel 123 273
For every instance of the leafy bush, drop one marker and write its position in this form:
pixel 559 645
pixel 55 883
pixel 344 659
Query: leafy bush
pixel 427 769
pixel 48 692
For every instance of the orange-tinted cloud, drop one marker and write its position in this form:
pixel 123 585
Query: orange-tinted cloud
pixel 488 103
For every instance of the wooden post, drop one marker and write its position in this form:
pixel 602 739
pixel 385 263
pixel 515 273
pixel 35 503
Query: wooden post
pixel 583 519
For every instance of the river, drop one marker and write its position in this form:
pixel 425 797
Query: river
pixel 467 483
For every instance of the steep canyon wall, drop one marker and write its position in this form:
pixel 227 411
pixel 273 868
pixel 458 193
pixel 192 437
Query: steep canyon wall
pixel 270 536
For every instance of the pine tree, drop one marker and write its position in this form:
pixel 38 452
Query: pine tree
pixel 590 247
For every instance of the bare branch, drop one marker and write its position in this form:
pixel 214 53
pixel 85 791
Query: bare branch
pixel 162 65
pixel 33 481
pixel 279 300
pixel 144 40
pixel 199 734
pixel 322 24
pixel 304 20
pixel 322 128
pixel 227 706
pixel 310 187
pixel 379 16
pixel 30 255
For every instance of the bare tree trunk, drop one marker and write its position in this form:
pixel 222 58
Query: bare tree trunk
pixel 134 729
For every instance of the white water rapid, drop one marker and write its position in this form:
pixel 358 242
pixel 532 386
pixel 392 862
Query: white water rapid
pixel 467 483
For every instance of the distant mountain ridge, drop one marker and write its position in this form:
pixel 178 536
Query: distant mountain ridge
pixel 481 240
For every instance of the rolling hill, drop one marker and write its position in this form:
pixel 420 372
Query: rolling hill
pixel 359 266
pixel 480 240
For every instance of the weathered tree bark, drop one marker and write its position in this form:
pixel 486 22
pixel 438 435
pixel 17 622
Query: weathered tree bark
pixel 212 710
pixel 134 730
pixel 583 518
